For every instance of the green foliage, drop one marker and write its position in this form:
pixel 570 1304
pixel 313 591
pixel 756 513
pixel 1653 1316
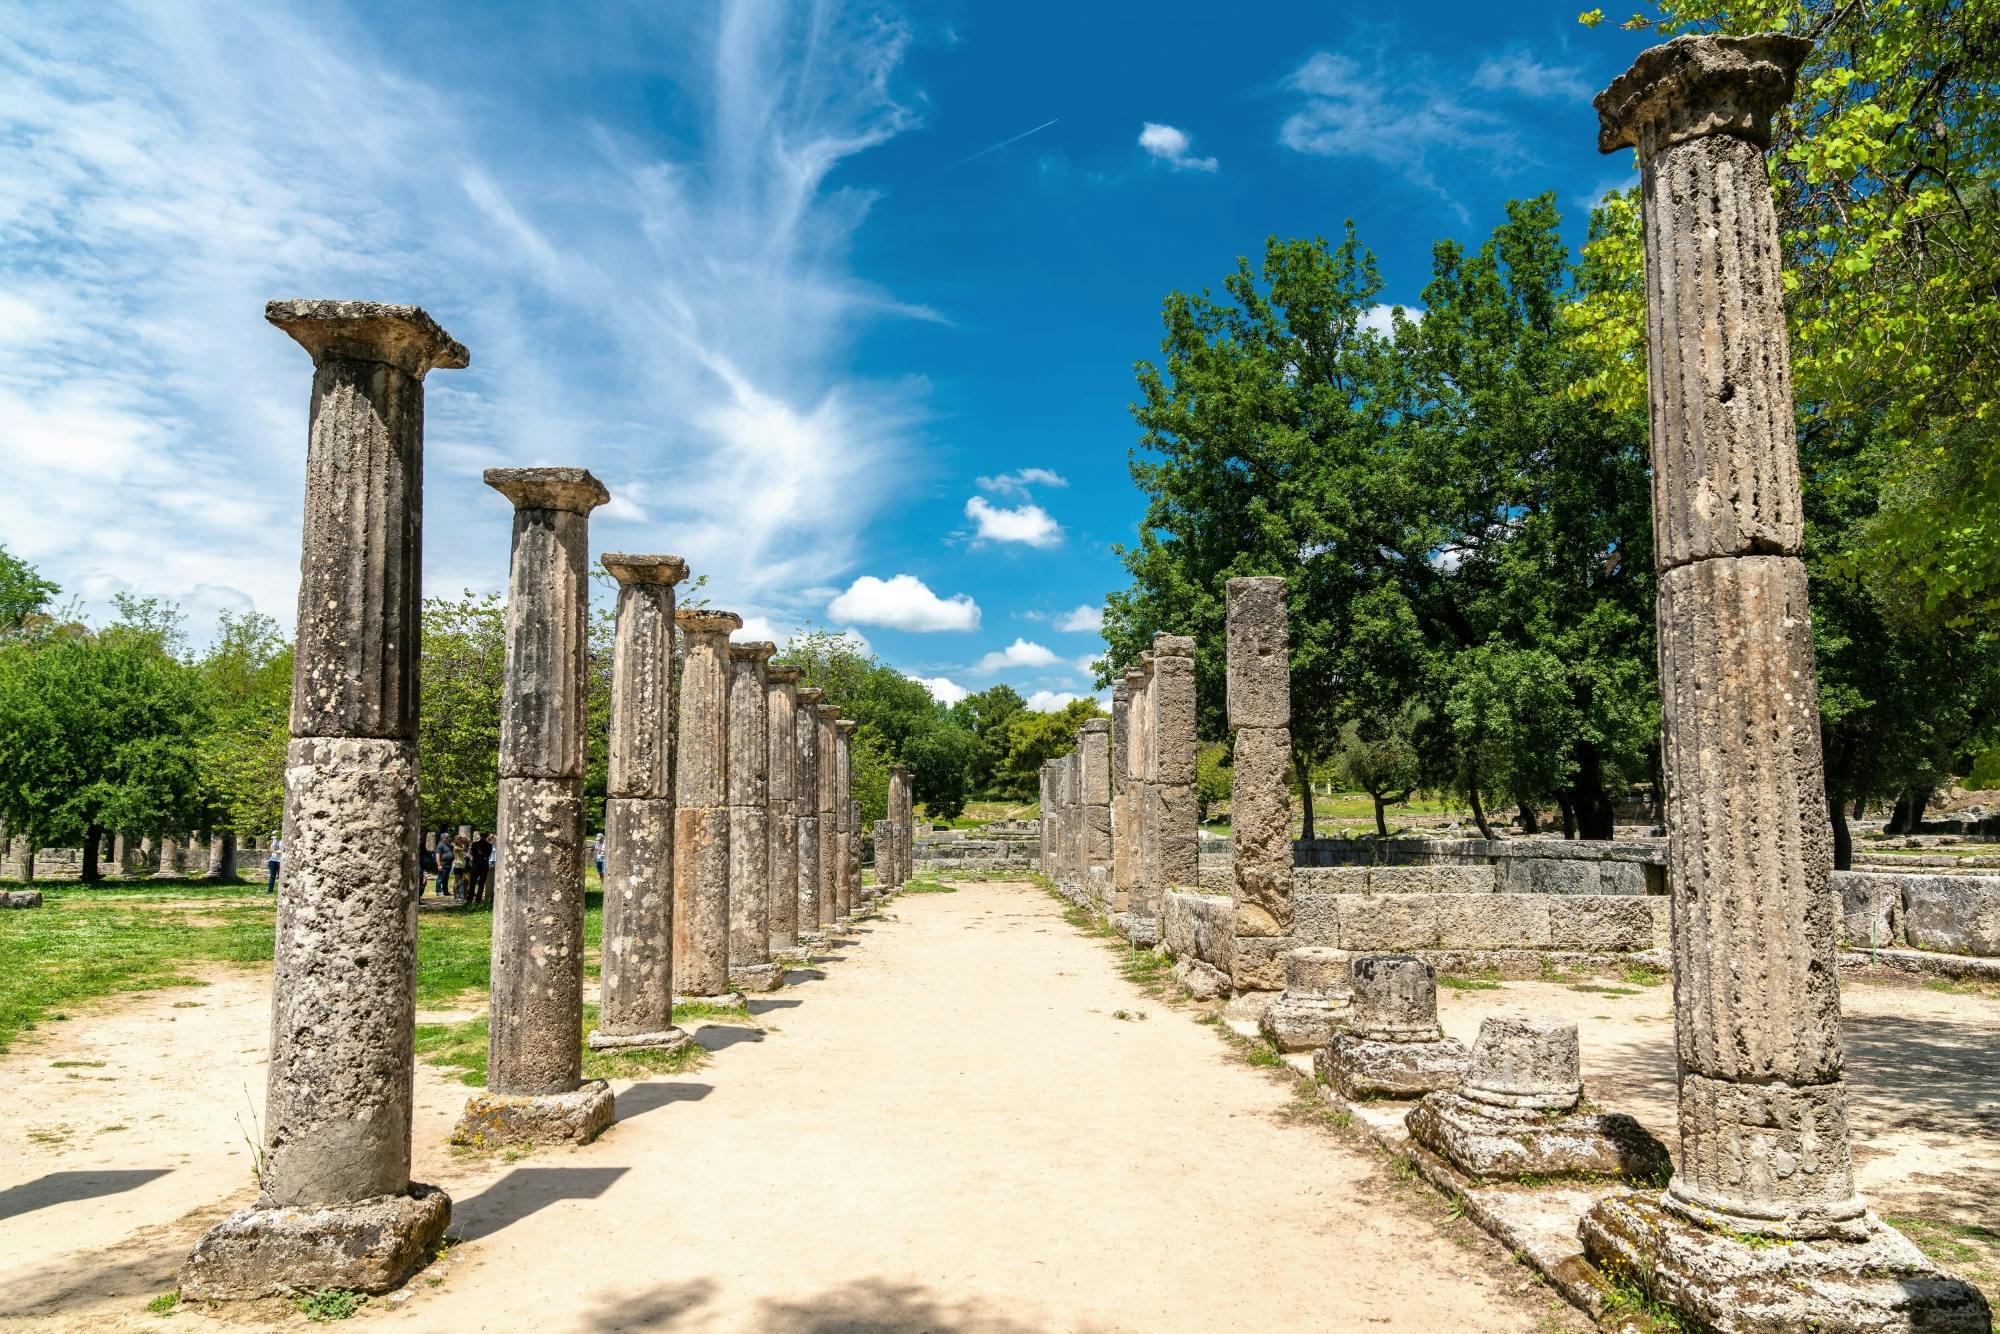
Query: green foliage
pixel 1381 760
pixel 986 715
pixel 1214 778
pixel 1035 738
pixel 24 597
pixel 328 1304
pixel 247 677
pixel 463 679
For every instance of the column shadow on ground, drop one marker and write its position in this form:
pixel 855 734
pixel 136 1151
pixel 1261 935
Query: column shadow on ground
pixel 766 1006
pixel 651 1095
pixel 524 1191
pixel 64 1187
pixel 794 976
pixel 720 1037
pixel 864 1306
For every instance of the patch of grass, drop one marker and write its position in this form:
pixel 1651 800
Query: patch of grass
pixel 927 884
pixel 1264 1054
pixel 329 1304
pixel 1479 982
pixel 693 1010
pixel 1128 1015
pixel 1625 1298
pixel 1968 1249
pixel 460 1047
pixel 1642 975
pixel 1598 989
pixel 165 1303
pixel 689 1056
pixel 69 1065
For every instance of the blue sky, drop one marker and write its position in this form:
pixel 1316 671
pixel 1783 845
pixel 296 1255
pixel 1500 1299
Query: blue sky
pixel 767 269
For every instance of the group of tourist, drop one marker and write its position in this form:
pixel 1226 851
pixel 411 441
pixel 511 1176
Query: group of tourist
pixel 469 859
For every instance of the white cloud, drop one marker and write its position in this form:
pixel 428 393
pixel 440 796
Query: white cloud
pixel 674 309
pixel 1172 147
pixel 1020 653
pixel 1027 524
pixel 1086 666
pixel 1380 319
pixel 1084 618
pixel 1018 481
pixel 943 689
pixel 903 602
pixel 1519 72
pixel 760 630
pixel 1394 118
pixel 1051 701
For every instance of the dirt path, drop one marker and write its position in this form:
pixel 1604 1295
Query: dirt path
pixel 948 1129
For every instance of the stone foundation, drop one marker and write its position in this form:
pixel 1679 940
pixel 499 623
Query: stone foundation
pixel 21 898
pixel 665 1040
pixel 1509 1143
pixel 1302 1023
pixel 1357 1067
pixel 492 1120
pixel 757 977
pixel 368 1246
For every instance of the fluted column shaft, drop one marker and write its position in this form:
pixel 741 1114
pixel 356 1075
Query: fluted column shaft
pixel 749 806
pixel 783 707
pixel 829 818
pixel 806 748
pixel 701 806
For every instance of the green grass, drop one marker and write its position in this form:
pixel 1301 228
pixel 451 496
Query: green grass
pixel 1485 980
pixel 165 1303
pixel 329 1304
pixel 462 1047
pixel 927 883
pixel 1967 1249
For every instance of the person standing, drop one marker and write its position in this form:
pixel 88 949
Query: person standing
pixel 597 850
pixel 273 860
pixel 480 865
pixel 446 855
pixel 462 851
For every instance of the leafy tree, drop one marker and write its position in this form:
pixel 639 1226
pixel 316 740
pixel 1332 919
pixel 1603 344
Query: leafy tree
pixel 246 676
pixel 1035 738
pixel 1214 778
pixel 985 716
pixel 463 680
pixel 24 596
pixel 1380 761
pixel 942 762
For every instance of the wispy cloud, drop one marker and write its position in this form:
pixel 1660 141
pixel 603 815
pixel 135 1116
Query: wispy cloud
pixel 676 316
pixel 1018 481
pixel 1397 117
pixel 1022 653
pixel 1030 525
pixel 1173 147
pixel 903 602
pixel 1518 72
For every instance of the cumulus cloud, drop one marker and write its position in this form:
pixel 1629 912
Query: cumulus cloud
pixel 1173 147
pixel 688 333
pixel 1397 118
pixel 1518 72
pixel 943 689
pixel 1381 319
pixel 1020 653
pixel 903 602
pixel 1028 524
pixel 1051 701
pixel 1018 481
pixel 1084 618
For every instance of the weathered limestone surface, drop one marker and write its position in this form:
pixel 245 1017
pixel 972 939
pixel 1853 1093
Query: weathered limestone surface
pixel 847 867
pixel 829 818
pixel 1093 762
pixel 1316 1002
pixel 1260 714
pixel 902 827
pixel 806 748
pixel 1494 1143
pixel 578 1116
pixel 1394 1047
pixel 337 1207
pixel 636 995
pixel 750 819
pixel 783 726
pixel 1175 744
pixel 701 806
pixel 1958 914
pixel 1121 795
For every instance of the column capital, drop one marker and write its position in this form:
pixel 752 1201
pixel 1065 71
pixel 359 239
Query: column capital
pixel 810 696
pixel 1135 680
pixel 572 490
pixel 703 621
pixel 1697 86
pixel 844 726
pixel 1094 725
pixel 405 337
pixel 1172 646
pixel 827 712
pixel 759 650
pixel 783 676
pixel 630 569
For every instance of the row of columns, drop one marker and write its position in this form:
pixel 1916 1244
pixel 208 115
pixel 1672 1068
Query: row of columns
pixel 126 856
pixel 731 833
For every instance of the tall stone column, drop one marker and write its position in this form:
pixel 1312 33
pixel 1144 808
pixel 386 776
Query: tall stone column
pixel 782 703
pixel 701 810
pixel 1763 1120
pixel 847 870
pixel 854 849
pixel 636 997
pixel 1260 819
pixel 829 817
pixel 336 1207
pixel 170 858
pixel 1094 794
pixel 534 1067
pixel 1121 842
pixel 806 747
pixel 906 836
pixel 1176 746
pixel 901 817
pixel 750 966
pixel 222 856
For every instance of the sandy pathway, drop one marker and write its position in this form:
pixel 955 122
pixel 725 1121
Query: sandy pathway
pixel 947 1130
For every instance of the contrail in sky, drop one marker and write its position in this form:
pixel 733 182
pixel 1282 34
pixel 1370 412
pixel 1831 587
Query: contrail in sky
pixel 994 148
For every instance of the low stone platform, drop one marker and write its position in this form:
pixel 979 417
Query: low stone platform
pixel 757 977
pixel 732 1000
pixel 493 1120
pixel 1358 1067
pixel 1880 1285
pixel 369 1246
pixel 667 1040
pixel 1302 1023
pixel 1512 1143
pixel 21 898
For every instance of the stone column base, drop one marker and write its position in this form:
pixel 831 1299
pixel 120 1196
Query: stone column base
pixel 1506 1143
pixel 665 1040
pixel 1881 1284
pixel 21 898
pixel 728 1000
pixel 1142 929
pixel 1357 1067
pixel 368 1246
pixel 1301 1022
pixel 494 1119
pixel 1203 981
pixel 757 977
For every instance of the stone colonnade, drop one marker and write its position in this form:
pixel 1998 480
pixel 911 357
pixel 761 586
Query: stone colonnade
pixel 847 869
pixel 829 820
pixel 750 965
pixel 1260 807
pixel 336 1207
pixel 812 919
pixel 701 810
pixel 782 722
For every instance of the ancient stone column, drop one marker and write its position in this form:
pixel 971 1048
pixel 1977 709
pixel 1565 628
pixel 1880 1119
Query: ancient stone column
pixel 829 819
pixel 1260 821
pixel 847 869
pixel 636 997
pixel 1045 821
pixel 1094 804
pixel 336 1206
pixel 1175 746
pixel 750 966
pixel 782 703
pixel 1121 784
pixel 701 811
pixel 901 818
pixel 806 748
pixel 854 850
pixel 534 1069
pixel 1763 1120
pixel 170 858
pixel 885 852
pixel 222 856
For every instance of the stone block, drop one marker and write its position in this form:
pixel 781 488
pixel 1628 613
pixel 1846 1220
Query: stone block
pixel 1388 922
pixel 1296 1022
pixel 1525 1062
pixel 1259 685
pixel 370 1246
pixel 1257 963
pixel 21 898
pixel 1955 914
pixel 1508 1143
pixel 1603 923
pixel 1318 971
pixel 1395 998
pixel 1493 921
pixel 1358 1067
pixel 496 1119
pixel 1871 909
pixel 1316 916
pixel 1261 827
pixel 1431 880
pixel 1179 836
pixel 1329 880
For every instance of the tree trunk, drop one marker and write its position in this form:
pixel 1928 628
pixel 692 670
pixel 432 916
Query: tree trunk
pixel 1305 789
pixel 91 838
pixel 1568 814
pixel 1381 822
pixel 1861 807
pixel 1843 840
pixel 1899 818
pixel 1528 825
pixel 227 871
pixel 1478 811
pixel 1595 817
pixel 1918 800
